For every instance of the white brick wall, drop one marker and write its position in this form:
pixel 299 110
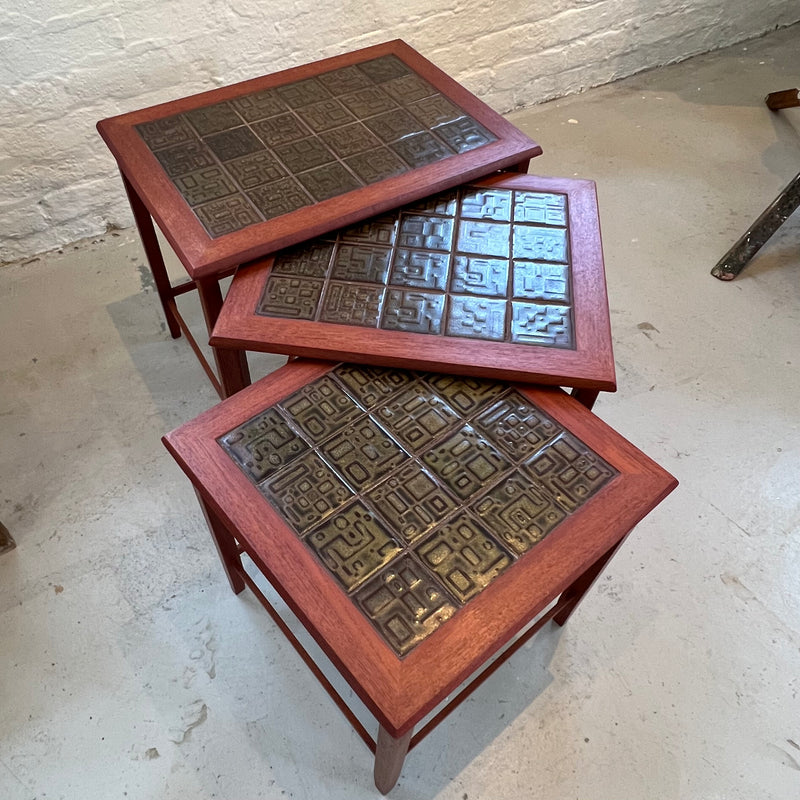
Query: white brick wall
pixel 64 64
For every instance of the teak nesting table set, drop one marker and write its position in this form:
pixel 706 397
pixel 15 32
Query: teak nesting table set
pixel 413 483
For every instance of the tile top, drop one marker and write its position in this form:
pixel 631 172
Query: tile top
pixel 262 155
pixel 414 490
pixel 479 262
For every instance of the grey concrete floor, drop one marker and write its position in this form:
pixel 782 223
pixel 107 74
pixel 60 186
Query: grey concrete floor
pixel 128 669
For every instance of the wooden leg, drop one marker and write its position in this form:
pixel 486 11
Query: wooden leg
pixel 152 251
pixel 389 756
pixel 585 397
pixel 226 547
pixel 521 167
pixel 6 542
pixel 232 368
pixel 573 594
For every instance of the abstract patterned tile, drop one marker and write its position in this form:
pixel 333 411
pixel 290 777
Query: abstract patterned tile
pixel 484 276
pixel 465 134
pixel 182 158
pixel 518 513
pixel 516 427
pixel 352 304
pixel 411 501
pixel 211 119
pixel 416 417
pixel 363 453
pixel 353 545
pixel 421 149
pixel 465 395
pixel 464 556
pixel 372 385
pixel 292 298
pixel 408 88
pixel 540 244
pixel 543 325
pixel 384 68
pixel 264 444
pixel 281 130
pixel 442 205
pixel 434 110
pixel 320 409
pixel 303 93
pixel 368 102
pixel 164 132
pixel 309 260
pixel 234 143
pixel 540 208
pixel 544 282
pixel 327 181
pixel 393 125
pixel 375 165
pixel 203 185
pixel 325 115
pixel 378 230
pixel 344 80
pixel 255 170
pixel 361 262
pixel 425 232
pixel 421 269
pixel 570 471
pixel 279 197
pixel 306 492
pixel 466 462
pixel 405 603
pixel 256 106
pixel 304 154
pixel 412 311
pixel 485 238
pixel 350 139
pixel 492 204
pixel 477 318
pixel 226 215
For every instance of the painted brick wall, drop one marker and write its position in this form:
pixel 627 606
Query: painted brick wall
pixel 64 64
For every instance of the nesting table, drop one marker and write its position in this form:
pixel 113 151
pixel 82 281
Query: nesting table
pixel 232 174
pixel 416 523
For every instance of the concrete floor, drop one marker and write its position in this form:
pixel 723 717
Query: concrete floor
pixel 128 669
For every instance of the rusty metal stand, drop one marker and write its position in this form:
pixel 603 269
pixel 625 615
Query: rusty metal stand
pixel 781 208
pixel 6 542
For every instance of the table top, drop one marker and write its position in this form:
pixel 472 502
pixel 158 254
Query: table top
pixel 501 278
pixel 244 170
pixel 414 522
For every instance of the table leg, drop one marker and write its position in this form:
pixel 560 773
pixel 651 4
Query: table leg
pixel 226 547
pixel 586 397
pixel 390 753
pixel 6 542
pixel 232 368
pixel 147 233
pixel 575 592
pixel 521 167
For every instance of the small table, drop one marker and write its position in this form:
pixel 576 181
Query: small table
pixel 416 524
pixel 501 278
pixel 232 174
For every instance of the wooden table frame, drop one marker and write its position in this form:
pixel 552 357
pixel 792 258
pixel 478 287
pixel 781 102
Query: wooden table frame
pixel 153 197
pixel 401 692
pixel 588 367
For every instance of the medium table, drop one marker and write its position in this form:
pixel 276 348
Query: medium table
pixel 234 173
pixel 417 524
pixel 500 278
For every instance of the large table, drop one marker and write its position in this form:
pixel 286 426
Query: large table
pixel 417 524
pixel 235 173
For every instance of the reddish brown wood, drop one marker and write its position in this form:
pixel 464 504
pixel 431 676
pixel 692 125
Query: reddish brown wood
pixel 226 546
pixel 232 368
pixel 203 256
pixel 589 366
pixel 788 98
pixel 401 692
pixel 389 757
pixel 586 397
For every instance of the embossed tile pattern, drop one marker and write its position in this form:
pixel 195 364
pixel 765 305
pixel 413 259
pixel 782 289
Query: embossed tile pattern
pixel 415 490
pixel 476 263
pixel 312 140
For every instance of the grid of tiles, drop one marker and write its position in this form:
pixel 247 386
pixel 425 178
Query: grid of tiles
pixel 481 263
pixel 414 490
pixel 268 153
